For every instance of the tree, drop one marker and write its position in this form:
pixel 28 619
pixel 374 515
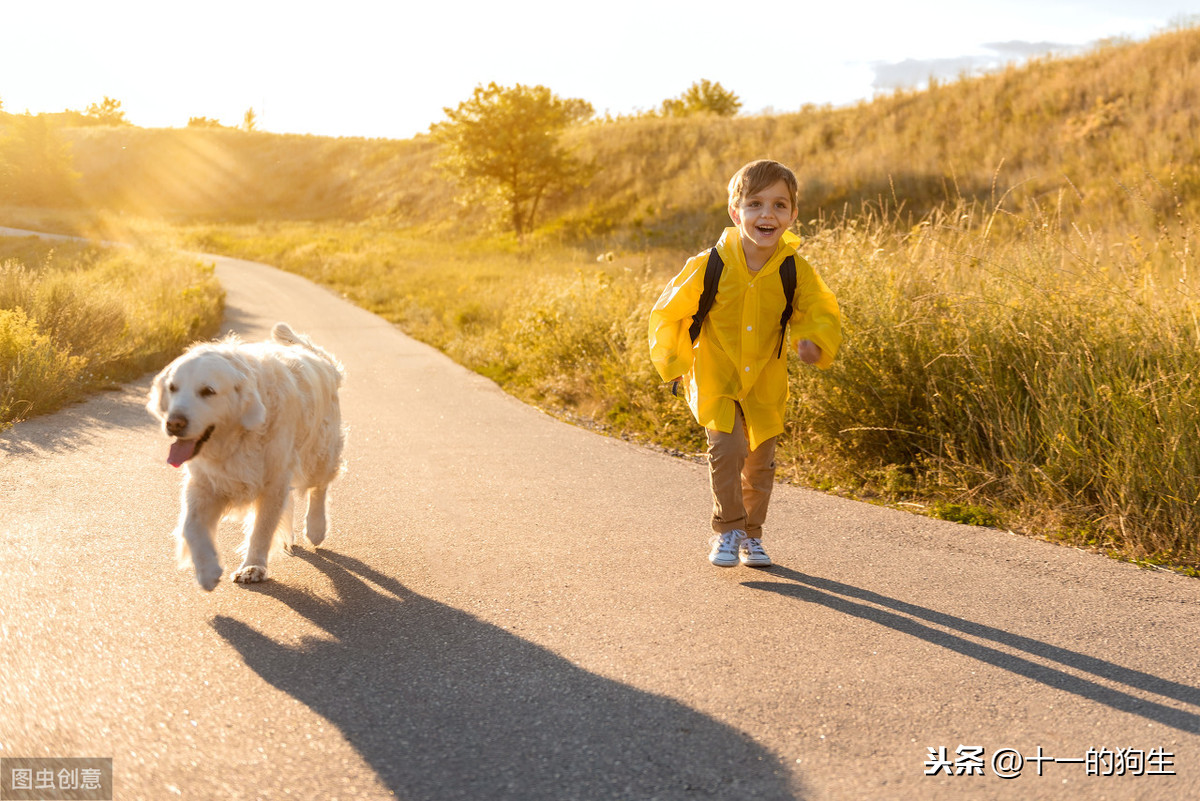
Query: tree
pixel 203 122
pixel 36 167
pixel 508 140
pixel 703 97
pixel 107 112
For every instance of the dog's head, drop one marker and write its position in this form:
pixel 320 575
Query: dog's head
pixel 203 392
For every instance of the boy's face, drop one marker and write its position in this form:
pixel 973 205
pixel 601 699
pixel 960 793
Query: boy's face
pixel 762 217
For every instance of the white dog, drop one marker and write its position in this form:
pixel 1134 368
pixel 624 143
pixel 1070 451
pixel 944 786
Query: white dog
pixel 252 422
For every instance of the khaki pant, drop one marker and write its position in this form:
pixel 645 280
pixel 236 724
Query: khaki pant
pixel 741 479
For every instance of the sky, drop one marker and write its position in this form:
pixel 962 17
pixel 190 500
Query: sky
pixel 389 69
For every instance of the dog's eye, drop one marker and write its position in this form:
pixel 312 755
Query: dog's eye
pixel 207 392
pixel 171 388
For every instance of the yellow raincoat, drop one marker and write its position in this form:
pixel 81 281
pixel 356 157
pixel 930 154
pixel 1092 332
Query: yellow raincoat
pixel 734 359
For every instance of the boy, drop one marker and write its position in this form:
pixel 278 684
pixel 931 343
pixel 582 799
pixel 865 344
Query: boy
pixel 735 372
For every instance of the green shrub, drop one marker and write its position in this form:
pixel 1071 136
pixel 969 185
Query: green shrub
pixel 965 513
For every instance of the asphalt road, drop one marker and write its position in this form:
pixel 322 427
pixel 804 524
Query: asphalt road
pixel 510 607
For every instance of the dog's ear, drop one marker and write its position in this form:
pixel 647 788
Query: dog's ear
pixel 248 405
pixel 254 413
pixel 157 402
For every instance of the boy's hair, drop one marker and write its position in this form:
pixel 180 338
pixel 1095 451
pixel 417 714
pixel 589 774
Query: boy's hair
pixel 758 175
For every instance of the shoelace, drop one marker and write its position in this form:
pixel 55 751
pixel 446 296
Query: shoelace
pixel 753 547
pixel 727 542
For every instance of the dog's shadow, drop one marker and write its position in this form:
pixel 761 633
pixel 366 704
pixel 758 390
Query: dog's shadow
pixel 443 705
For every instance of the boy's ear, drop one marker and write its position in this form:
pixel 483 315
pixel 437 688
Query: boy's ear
pixel 733 214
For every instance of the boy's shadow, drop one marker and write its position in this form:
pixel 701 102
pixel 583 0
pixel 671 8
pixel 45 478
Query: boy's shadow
pixel 905 618
pixel 443 705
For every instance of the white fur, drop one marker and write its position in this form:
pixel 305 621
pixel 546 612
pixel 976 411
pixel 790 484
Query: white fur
pixel 276 426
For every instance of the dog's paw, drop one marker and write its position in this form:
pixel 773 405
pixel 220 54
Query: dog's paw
pixel 207 576
pixel 250 574
pixel 315 533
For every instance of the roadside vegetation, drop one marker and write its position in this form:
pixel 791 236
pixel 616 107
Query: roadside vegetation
pixel 77 318
pixel 1015 256
pixel 998 369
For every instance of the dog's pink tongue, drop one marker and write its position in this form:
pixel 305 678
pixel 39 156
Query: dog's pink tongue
pixel 181 451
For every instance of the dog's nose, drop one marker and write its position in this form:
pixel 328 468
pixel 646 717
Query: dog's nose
pixel 176 424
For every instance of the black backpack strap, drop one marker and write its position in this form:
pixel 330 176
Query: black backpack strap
pixel 787 275
pixel 712 277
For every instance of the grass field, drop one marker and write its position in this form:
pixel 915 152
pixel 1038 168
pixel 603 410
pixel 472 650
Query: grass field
pixel 1013 370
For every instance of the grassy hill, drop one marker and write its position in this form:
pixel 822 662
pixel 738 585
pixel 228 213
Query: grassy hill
pixel 232 175
pixel 1110 134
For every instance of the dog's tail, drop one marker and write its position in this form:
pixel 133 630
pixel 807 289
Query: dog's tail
pixel 284 335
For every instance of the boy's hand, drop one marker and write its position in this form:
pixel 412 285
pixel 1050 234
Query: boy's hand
pixel 809 351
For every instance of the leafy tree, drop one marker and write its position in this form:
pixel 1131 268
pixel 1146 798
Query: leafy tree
pixel 703 97
pixel 35 163
pixel 107 112
pixel 508 140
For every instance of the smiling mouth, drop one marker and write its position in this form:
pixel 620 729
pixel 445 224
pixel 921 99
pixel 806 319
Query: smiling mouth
pixel 184 449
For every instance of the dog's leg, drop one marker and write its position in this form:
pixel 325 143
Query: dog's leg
pixel 286 531
pixel 315 524
pixel 267 513
pixel 197 533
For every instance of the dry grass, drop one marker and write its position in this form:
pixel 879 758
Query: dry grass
pixel 75 318
pixel 1010 363
pixel 1019 363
